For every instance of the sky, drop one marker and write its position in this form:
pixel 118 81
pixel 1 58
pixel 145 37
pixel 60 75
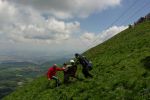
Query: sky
pixel 31 28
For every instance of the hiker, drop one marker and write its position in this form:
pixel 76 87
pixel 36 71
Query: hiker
pixel 73 69
pixel 51 74
pixel 70 71
pixel 85 64
pixel 89 63
pixel 66 75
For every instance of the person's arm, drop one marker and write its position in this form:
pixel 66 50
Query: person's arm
pixel 60 69
pixel 48 75
pixel 69 66
pixel 77 62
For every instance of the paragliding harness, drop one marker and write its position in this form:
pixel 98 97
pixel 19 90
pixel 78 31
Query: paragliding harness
pixel 87 62
pixel 90 65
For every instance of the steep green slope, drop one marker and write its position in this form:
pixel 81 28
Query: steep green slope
pixel 16 74
pixel 121 71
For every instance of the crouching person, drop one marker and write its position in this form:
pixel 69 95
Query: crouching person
pixel 66 76
pixel 70 71
pixel 51 74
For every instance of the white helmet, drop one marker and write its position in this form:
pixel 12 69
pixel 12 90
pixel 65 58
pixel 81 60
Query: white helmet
pixel 71 61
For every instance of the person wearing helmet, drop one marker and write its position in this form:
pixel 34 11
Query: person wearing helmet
pixel 70 71
pixel 51 74
pixel 73 68
pixel 84 63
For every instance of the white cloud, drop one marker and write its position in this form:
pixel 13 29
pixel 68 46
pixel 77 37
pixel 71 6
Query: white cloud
pixel 112 31
pixel 24 24
pixel 69 8
pixel 106 34
pixel 21 24
pixel 88 36
pixel 94 39
pixel 24 31
pixel 24 28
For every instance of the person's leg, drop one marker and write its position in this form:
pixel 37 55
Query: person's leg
pixel 74 72
pixel 90 75
pixel 66 78
pixel 57 80
pixel 87 72
pixel 84 72
pixel 76 77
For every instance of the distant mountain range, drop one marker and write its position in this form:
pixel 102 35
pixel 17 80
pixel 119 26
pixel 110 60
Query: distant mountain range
pixel 4 59
pixel 16 72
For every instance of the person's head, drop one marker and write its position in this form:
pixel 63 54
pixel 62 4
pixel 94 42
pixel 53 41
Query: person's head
pixel 76 55
pixel 55 65
pixel 65 64
pixel 72 62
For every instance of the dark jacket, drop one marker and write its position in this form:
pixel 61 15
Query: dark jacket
pixel 71 70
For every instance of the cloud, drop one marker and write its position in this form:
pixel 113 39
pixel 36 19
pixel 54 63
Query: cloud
pixel 24 28
pixel 89 39
pixel 69 8
pixel 24 24
pixel 106 34
pixel 88 36
pixel 94 39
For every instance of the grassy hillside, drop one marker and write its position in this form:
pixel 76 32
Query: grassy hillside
pixel 121 71
pixel 16 74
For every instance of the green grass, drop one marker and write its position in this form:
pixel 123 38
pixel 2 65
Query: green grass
pixel 119 72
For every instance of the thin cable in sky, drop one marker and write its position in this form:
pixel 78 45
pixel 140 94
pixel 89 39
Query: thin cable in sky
pixel 118 18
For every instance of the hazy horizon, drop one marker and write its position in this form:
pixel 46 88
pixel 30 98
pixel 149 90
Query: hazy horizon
pixel 34 28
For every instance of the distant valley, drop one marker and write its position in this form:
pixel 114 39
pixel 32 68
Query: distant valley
pixel 14 73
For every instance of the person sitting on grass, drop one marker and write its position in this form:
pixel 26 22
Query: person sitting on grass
pixel 51 74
